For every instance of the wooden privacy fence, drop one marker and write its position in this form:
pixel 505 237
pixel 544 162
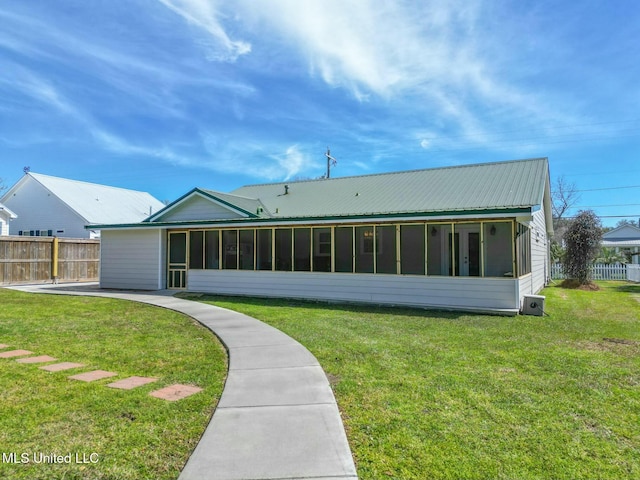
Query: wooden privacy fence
pixel 31 259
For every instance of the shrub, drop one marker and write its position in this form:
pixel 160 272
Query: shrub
pixel 582 243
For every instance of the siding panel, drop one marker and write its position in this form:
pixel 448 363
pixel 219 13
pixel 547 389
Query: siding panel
pixel 540 268
pixel 438 292
pixel 198 208
pixel 132 259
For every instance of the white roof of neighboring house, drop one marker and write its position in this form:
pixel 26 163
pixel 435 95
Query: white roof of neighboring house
pixel 97 203
pixel 625 236
pixel 8 212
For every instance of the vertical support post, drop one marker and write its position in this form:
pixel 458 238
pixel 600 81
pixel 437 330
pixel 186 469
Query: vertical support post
pixel 54 259
pixel 482 249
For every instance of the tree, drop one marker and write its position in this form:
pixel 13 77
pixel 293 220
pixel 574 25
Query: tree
pixel 625 222
pixel 610 256
pixel 582 242
pixel 564 195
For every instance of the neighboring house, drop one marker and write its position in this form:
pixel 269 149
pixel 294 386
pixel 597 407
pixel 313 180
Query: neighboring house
pixel 53 206
pixel 6 216
pixel 624 239
pixel 470 237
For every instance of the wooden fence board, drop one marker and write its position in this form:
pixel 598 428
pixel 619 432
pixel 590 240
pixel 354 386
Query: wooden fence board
pixel 29 260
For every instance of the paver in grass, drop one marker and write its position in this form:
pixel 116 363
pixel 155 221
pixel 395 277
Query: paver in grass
pixel 93 375
pixel 57 367
pixel 175 392
pixel 131 382
pixel 3 345
pixel 15 353
pixel 38 359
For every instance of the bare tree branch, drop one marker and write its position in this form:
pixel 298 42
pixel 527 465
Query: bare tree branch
pixel 564 195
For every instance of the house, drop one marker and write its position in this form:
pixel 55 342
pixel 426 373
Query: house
pixel 53 206
pixel 6 216
pixel 624 239
pixel 470 237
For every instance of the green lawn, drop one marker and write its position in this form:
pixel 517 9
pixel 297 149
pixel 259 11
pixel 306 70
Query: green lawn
pixel 446 395
pixel 134 435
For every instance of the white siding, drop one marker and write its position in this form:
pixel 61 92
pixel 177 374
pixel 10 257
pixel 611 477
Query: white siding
pixel 37 209
pixel 4 225
pixel 132 259
pixel 198 208
pixel 494 294
pixel 533 282
pixel 540 267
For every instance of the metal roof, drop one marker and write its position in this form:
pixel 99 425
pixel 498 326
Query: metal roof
pixel 251 205
pixel 476 187
pixel 100 203
pixel 621 243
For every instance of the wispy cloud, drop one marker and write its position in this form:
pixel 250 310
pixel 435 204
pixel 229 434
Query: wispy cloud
pixel 204 15
pixel 262 158
pixel 436 54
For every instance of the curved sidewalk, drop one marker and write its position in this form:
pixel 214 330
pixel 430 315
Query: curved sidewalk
pixel 277 417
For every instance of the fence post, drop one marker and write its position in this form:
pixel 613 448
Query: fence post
pixel 54 260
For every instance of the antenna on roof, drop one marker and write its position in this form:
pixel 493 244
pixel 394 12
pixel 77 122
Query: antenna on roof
pixel 331 161
pixel 26 169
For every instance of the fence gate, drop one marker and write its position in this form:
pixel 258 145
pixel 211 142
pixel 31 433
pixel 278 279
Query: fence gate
pixel 177 271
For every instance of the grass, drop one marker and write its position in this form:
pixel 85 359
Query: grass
pixel 133 434
pixel 445 395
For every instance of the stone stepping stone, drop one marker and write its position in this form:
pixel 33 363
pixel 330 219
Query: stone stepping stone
pixel 39 359
pixel 175 392
pixel 3 345
pixel 57 367
pixel 131 382
pixel 15 353
pixel 92 376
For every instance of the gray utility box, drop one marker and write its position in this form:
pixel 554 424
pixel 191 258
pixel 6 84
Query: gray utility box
pixel 533 305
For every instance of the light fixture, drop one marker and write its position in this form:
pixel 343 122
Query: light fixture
pixel 434 231
pixel 492 231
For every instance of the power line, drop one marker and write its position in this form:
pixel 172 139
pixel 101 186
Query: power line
pixel 608 216
pixel 607 188
pixel 610 205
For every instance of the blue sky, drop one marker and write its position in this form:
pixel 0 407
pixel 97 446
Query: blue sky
pixel 166 95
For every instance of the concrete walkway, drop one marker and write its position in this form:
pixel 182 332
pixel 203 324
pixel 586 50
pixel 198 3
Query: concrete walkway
pixel 277 417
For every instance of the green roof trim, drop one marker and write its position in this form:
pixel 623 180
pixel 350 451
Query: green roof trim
pixel 210 194
pixel 336 218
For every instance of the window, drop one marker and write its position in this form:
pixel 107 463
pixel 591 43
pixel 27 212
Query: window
pixel 178 247
pixel 321 249
pixel 245 250
pixel 364 253
pixel 344 249
pixel 283 249
pixel 230 249
pixel 196 245
pixel 412 249
pixel 302 249
pixel 498 249
pixel 263 249
pixel 523 246
pixel 212 249
pixel 386 249
pixel 438 249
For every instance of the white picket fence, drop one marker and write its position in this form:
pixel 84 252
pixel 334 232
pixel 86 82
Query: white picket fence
pixel 633 273
pixel 601 271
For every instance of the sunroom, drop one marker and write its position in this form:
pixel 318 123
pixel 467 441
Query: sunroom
pixel 404 238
